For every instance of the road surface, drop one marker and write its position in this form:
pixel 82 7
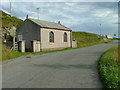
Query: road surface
pixel 67 69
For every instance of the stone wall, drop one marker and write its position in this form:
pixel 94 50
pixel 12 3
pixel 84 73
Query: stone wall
pixel 36 46
pixel 74 44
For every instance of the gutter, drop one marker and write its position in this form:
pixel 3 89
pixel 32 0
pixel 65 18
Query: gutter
pixel 57 28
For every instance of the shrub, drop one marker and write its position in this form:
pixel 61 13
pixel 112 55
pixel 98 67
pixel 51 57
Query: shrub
pixel 109 69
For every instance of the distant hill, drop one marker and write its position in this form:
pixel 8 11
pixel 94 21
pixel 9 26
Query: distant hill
pixel 8 21
pixel 86 39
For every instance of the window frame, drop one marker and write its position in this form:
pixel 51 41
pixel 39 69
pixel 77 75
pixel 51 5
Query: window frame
pixel 51 37
pixel 65 37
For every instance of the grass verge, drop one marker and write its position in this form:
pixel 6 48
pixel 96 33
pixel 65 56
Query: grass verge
pixel 10 54
pixel 109 68
pixel 86 39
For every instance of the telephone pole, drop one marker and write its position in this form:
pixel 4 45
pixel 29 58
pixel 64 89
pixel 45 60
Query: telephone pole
pixel 10 9
pixel 38 12
pixel 100 29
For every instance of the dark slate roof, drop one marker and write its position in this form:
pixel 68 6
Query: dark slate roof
pixel 46 24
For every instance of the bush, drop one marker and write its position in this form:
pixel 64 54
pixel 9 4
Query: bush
pixel 109 69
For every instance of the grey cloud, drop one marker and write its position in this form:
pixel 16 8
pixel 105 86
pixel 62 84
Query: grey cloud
pixel 79 16
pixel 116 23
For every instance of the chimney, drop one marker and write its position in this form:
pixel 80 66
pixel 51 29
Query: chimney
pixel 58 22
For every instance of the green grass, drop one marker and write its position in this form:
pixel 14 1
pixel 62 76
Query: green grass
pixel 52 51
pixel 10 54
pixel 81 37
pixel 87 39
pixel 109 68
pixel 8 21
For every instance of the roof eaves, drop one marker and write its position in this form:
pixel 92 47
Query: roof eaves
pixel 58 28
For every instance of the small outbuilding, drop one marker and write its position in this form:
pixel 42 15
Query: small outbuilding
pixel 40 35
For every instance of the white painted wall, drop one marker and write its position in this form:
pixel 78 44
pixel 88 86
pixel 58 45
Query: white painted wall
pixel 58 39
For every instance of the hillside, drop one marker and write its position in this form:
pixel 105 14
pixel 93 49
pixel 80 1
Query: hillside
pixel 83 38
pixel 86 39
pixel 8 21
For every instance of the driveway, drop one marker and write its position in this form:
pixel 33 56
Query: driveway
pixel 67 69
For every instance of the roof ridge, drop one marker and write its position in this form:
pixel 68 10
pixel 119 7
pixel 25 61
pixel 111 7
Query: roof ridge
pixel 48 24
pixel 42 20
pixel 34 22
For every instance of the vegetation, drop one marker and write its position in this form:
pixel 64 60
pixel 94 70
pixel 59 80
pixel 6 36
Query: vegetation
pixel 8 21
pixel 87 39
pixel 84 39
pixel 9 54
pixel 115 38
pixel 109 68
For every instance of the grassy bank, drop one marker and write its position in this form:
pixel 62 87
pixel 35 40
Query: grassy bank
pixel 10 54
pixel 84 39
pixel 109 68
pixel 87 39
pixel 8 21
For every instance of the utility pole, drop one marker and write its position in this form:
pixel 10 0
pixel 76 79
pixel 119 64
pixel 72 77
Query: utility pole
pixel 100 29
pixel 27 16
pixel 38 12
pixel 10 9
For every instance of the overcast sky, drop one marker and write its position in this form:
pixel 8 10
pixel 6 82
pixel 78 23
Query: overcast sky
pixel 79 16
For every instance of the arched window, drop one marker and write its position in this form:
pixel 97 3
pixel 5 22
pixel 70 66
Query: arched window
pixel 65 37
pixel 51 37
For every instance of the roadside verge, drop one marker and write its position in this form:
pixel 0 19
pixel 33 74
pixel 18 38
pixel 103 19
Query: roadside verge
pixel 109 68
pixel 8 54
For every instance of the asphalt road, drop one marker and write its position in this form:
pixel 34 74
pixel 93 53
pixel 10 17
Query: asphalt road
pixel 67 69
